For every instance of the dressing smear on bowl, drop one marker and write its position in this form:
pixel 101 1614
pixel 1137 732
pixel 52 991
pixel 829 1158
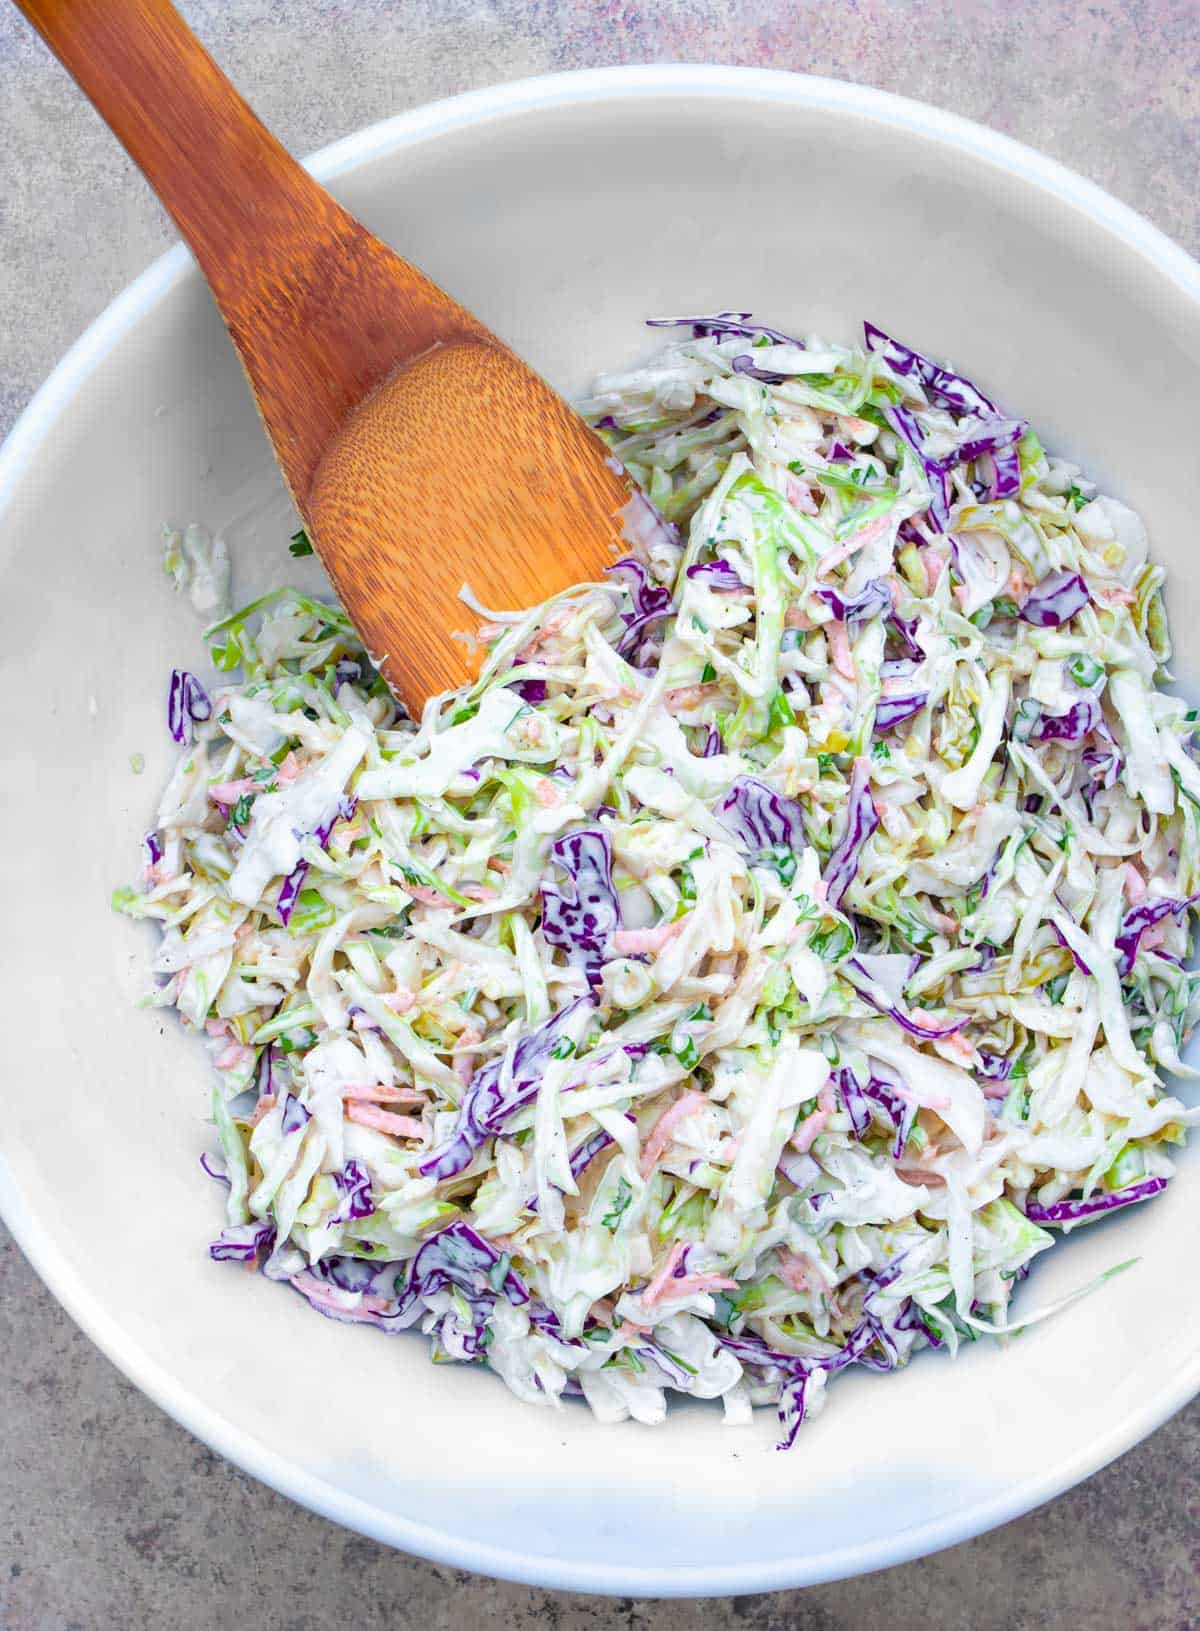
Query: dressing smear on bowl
pixel 774 950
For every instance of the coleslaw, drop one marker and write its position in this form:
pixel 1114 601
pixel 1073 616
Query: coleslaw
pixel 762 961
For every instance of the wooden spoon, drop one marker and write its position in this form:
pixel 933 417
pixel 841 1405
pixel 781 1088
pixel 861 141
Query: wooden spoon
pixel 421 452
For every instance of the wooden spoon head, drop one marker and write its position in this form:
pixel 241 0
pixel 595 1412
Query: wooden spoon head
pixel 422 453
pixel 463 468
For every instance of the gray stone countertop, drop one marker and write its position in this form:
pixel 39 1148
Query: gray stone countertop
pixel 110 1514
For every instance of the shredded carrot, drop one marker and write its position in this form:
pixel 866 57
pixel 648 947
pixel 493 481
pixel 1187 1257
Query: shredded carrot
pixel 843 551
pixel 234 1053
pixel 794 1270
pixel 1019 584
pixel 959 1047
pixel 427 896
pixel 654 1290
pixel 231 792
pixel 809 1129
pixel 843 657
pixel 377 1093
pixel 799 493
pixel 335 1301
pixel 1133 884
pixel 629 942
pixel 266 1103
pixel 682 697
pixel 368 1115
pixel 663 1129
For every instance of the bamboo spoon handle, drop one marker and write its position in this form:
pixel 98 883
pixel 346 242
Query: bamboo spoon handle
pixel 294 275
pixel 421 452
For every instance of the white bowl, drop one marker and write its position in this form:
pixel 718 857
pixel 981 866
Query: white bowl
pixel 562 210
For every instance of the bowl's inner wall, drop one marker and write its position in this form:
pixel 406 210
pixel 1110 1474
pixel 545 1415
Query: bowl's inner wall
pixel 562 229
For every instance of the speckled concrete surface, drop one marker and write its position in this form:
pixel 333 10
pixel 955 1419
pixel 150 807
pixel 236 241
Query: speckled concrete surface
pixel 110 1515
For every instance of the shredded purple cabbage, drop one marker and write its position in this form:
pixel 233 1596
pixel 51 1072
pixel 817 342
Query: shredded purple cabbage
pixel 849 1089
pixel 898 668
pixel 651 601
pixel 581 916
pixel 187 701
pixel 940 490
pixel 745 364
pixel 905 629
pixel 487 1105
pixel 716 574
pixel 893 711
pixel 360 1275
pixel 531 691
pixel 646 595
pixel 988 437
pixel 1006 473
pixel 1104 764
pixel 991 438
pixel 760 818
pixel 1066 945
pixel 1079 721
pixel 1056 599
pixel 266 1072
pixel 354 1194
pixel 581 1158
pixel 289 890
pixel 940 384
pixel 872 599
pixel 861 821
pixel 213 1170
pixel 1139 919
pixel 914 1027
pixel 295 1115
pixel 722 324
pixel 900 1111
pixel 927 1033
pixel 795 1370
pixel 242 1243
pixel 1076 1211
pixel 791 1410
pixel 457 1257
